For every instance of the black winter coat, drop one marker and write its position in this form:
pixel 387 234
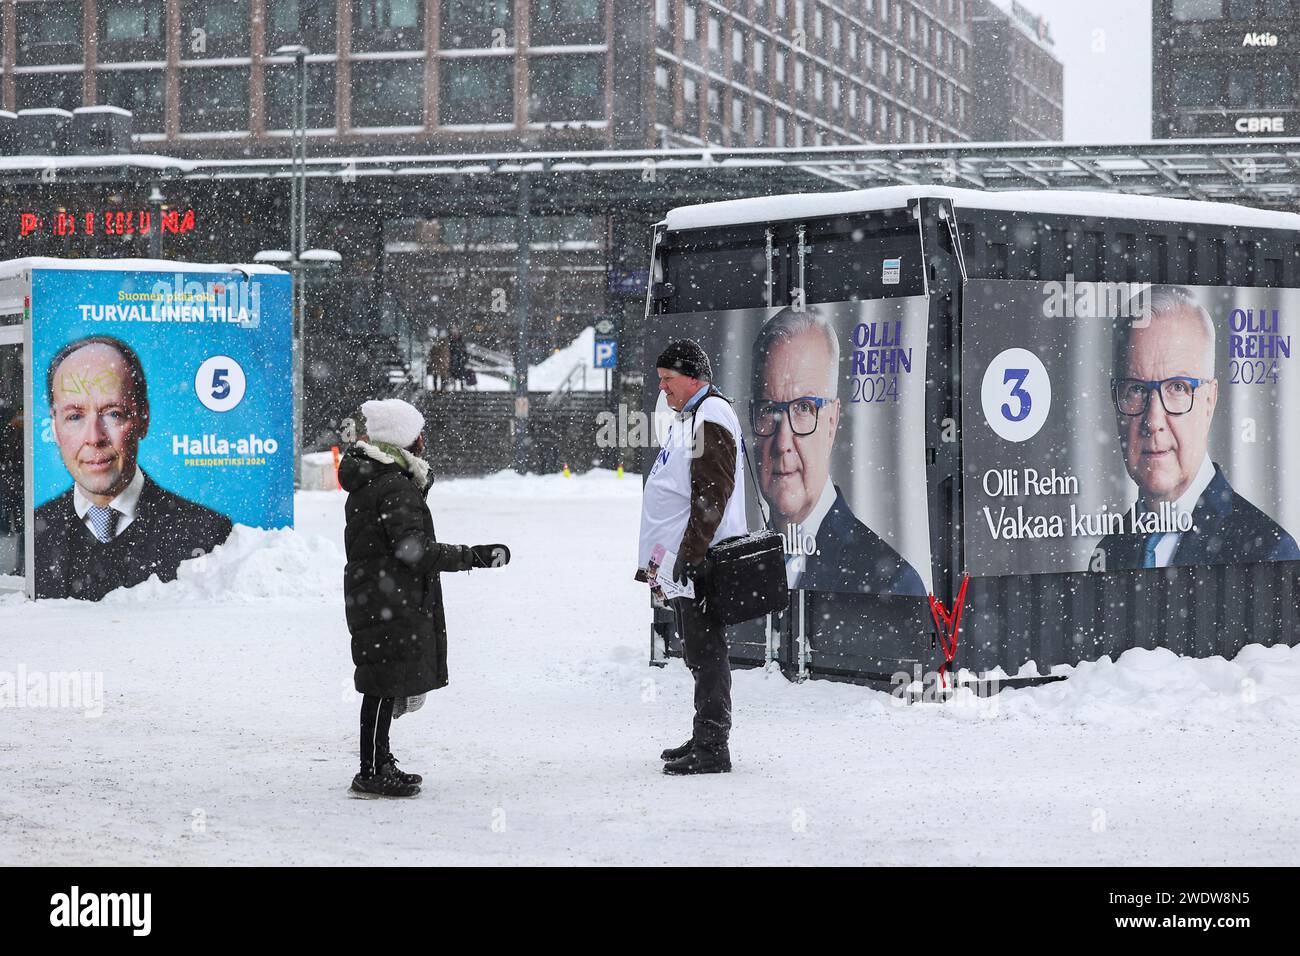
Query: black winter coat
pixel 391 590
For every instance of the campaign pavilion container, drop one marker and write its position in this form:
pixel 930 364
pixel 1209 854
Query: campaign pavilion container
pixel 751 253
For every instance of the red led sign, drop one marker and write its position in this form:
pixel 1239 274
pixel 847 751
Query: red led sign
pixel 108 222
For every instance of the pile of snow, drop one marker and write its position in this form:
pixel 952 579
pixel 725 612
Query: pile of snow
pixel 1261 685
pixel 253 566
pixel 551 372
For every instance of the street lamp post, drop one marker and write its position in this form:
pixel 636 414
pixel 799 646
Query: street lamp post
pixel 298 234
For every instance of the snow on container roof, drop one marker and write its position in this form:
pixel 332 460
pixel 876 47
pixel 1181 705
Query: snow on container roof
pixel 142 160
pixel 10 266
pixel 101 109
pixel 46 111
pixel 1059 202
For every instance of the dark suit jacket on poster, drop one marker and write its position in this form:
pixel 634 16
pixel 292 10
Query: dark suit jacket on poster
pixel 167 529
pixel 852 557
pixel 1226 529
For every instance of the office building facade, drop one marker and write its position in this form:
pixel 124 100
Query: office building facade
pixel 1225 68
pixel 203 77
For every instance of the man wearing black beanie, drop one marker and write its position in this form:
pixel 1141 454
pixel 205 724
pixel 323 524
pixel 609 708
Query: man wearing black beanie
pixel 694 497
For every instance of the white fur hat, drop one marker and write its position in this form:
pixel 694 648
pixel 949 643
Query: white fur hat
pixel 393 421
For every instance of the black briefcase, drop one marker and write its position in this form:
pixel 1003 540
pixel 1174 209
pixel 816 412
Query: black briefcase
pixel 748 577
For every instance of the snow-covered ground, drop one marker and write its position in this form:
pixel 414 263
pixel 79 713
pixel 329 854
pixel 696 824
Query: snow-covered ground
pixel 228 723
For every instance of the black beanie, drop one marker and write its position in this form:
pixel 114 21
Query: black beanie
pixel 688 358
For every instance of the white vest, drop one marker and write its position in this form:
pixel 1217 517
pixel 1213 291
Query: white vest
pixel 666 498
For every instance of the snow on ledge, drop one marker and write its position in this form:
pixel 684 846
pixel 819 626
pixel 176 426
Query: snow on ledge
pixel 10 266
pixel 1061 202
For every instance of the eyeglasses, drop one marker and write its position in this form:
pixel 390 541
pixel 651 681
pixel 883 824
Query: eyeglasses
pixel 765 416
pixel 1132 395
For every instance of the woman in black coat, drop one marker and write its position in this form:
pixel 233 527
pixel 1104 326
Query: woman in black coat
pixel 391 589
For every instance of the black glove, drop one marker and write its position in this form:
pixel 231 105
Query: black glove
pixel 683 572
pixel 489 555
pixel 465 557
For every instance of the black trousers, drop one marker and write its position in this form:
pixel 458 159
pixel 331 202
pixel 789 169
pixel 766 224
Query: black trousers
pixel 704 647
pixel 376 718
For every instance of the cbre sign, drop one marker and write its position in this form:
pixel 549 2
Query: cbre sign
pixel 1260 124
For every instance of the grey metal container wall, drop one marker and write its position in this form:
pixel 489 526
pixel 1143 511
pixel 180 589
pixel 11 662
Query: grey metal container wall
pixel 44 132
pixel 1047 618
pixel 101 130
pixel 8 133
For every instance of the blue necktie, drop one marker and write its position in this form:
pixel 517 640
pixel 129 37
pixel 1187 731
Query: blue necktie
pixel 103 522
pixel 1149 549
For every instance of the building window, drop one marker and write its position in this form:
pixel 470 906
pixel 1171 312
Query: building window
pixel 661 77
pixel 49 32
pixel 309 22
pixel 566 11
pixel 798 75
pixel 1198 10
pixel 281 89
pixel 566 88
pixel 778 131
pixel 1276 89
pixel 738 47
pixel 688 22
pixel 819 82
pixel 715 34
pixel 34 91
pixel 388 93
pixel 1197 88
pixel 131 30
pixel 477 91
pixel 214 100
pixel 140 91
pixel 760 56
pixel 560 22
pixel 737 114
pixel 387 25
pixel 780 67
pixel 836 33
pixel 1241 88
pixel 661 14
pixel 214 28
pixel 476 24
pixel 760 125
pixel 691 101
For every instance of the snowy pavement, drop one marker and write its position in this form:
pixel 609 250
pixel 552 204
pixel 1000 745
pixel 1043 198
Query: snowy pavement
pixel 228 724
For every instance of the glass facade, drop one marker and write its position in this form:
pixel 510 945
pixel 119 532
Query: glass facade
pixel 477 91
pixel 388 93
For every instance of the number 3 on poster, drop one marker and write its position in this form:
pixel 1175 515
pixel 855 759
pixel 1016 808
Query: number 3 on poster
pixel 1016 394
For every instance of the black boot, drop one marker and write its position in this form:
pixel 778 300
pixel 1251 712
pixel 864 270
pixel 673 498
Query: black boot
pixel 702 760
pixel 677 753
pixel 383 785
pixel 388 767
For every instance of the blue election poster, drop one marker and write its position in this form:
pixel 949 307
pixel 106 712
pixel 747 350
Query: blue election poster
pixel 164 417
